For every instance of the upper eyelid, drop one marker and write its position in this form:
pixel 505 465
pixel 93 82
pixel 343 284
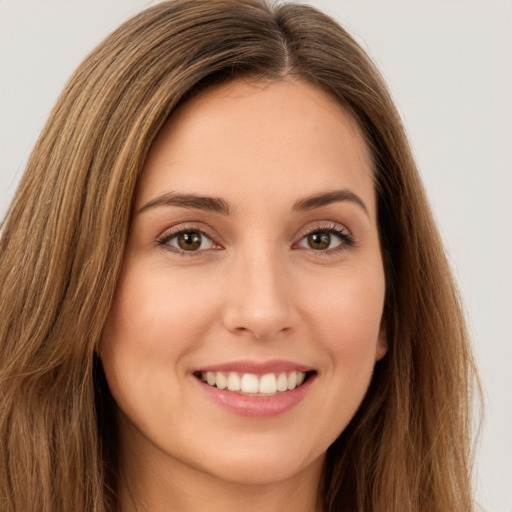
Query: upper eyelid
pixel 183 227
pixel 323 226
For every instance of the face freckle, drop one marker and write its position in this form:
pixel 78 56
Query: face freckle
pixel 253 253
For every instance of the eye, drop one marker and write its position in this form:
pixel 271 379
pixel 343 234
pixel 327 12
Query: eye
pixel 326 239
pixel 190 240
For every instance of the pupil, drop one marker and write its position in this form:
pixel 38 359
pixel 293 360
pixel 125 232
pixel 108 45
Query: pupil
pixel 189 241
pixel 319 240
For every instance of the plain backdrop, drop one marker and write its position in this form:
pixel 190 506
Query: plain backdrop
pixel 449 66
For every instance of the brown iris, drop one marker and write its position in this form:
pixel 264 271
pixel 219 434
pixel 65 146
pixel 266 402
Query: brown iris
pixel 319 240
pixel 189 241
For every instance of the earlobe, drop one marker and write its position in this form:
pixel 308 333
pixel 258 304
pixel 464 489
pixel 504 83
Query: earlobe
pixel 382 342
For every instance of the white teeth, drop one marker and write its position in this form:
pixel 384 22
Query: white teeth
pixel 282 382
pixel 268 383
pixel 250 383
pixel 292 380
pixel 221 381
pixel 233 382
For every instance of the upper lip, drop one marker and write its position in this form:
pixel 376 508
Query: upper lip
pixel 257 367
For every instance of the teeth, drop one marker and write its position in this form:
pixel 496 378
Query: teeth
pixel 252 384
pixel 249 383
pixel 233 382
pixel 268 383
pixel 221 381
pixel 282 382
pixel 292 381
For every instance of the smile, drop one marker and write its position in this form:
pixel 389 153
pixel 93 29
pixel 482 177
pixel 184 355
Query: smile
pixel 251 384
pixel 256 389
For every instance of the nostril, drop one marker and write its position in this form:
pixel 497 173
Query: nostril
pixel 262 333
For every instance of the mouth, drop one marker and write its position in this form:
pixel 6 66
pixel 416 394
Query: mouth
pixel 256 389
pixel 255 384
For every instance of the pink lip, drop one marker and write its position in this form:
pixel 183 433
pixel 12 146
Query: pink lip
pixel 257 406
pixel 257 367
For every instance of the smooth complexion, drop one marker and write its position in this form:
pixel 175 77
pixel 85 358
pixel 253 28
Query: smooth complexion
pixel 253 248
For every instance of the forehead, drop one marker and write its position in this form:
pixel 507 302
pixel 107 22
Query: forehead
pixel 268 138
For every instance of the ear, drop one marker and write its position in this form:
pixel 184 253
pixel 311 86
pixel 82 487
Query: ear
pixel 382 342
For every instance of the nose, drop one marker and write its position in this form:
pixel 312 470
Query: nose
pixel 259 300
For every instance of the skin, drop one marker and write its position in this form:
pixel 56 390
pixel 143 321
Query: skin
pixel 254 290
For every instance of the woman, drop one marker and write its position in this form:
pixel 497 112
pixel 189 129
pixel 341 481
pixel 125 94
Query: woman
pixel 222 285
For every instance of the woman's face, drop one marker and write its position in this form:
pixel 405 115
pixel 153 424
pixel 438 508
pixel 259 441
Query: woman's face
pixel 253 261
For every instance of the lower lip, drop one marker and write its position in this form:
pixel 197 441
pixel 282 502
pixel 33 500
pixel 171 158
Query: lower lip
pixel 257 406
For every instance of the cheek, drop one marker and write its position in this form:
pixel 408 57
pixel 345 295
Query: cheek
pixel 347 324
pixel 346 321
pixel 347 309
pixel 152 326
pixel 149 326
pixel 152 314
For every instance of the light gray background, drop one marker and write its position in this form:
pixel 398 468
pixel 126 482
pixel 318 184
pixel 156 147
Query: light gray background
pixel 449 66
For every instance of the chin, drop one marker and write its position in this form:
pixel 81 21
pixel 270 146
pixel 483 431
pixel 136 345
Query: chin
pixel 261 463
pixel 263 470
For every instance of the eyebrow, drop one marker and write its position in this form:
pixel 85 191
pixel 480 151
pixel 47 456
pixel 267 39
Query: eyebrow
pixel 212 204
pixel 327 198
pixel 218 205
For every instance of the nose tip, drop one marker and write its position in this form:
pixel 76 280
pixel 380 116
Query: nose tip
pixel 262 322
pixel 259 303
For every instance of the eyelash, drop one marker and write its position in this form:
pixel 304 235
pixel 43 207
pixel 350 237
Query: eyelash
pixel 347 240
pixel 164 240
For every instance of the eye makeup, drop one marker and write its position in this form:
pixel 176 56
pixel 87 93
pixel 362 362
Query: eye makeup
pixel 320 239
pixel 191 240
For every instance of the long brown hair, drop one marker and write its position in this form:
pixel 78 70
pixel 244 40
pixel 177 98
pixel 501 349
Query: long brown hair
pixel 62 244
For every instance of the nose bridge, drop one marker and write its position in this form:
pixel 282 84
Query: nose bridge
pixel 259 301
